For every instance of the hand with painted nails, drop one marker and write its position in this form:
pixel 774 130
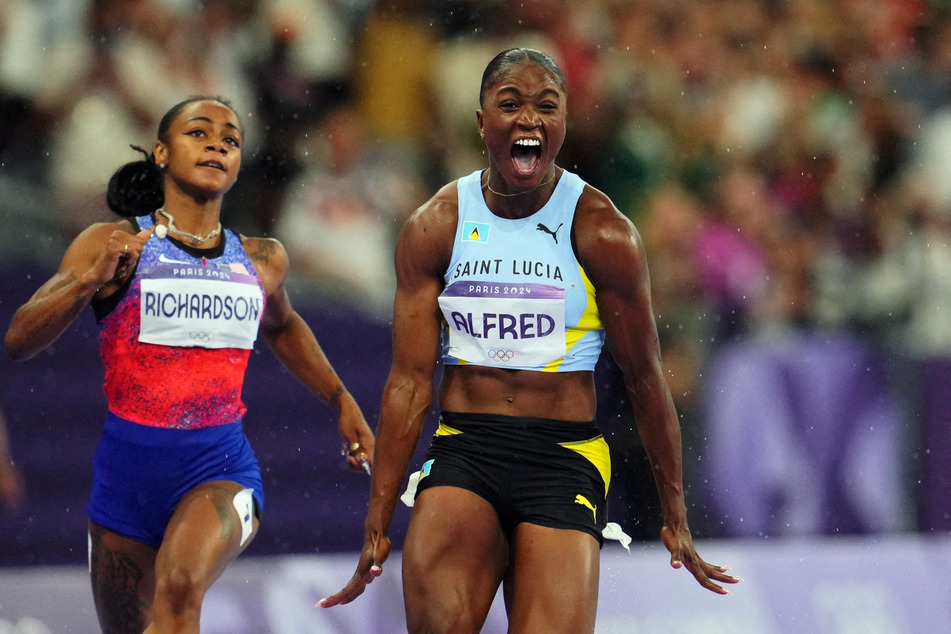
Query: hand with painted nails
pixel 683 554
pixel 376 549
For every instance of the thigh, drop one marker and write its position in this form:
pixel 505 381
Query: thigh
pixel 454 559
pixel 211 525
pixel 552 585
pixel 122 572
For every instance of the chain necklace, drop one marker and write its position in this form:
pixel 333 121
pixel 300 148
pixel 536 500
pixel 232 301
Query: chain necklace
pixel 173 229
pixel 489 187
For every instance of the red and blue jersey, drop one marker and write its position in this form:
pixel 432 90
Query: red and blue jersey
pixel 176 344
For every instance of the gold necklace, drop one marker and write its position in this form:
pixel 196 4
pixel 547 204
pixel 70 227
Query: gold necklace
pixel 489 187
pixel 173 229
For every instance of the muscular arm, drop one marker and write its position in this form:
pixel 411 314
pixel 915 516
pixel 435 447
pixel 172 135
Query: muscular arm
pixel 97 262
pixel 293 342
pixel 613 255
pixel 611 251
pixel 408 393
pixel 422 255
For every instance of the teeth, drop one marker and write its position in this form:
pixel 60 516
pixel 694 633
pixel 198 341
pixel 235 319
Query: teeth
pixel 528 142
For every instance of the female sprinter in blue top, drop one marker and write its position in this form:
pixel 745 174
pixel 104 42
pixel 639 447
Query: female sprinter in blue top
pixel 514 275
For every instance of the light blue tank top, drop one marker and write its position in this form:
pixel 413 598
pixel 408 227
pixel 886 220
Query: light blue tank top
pixel 516 296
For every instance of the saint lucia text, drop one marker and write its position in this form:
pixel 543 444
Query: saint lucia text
pixel 493 267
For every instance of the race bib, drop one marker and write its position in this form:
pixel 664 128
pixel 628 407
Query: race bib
pixel 199 306
pixel 505 325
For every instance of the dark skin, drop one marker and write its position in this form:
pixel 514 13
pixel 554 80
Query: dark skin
pixel 137 586
pixel 456 554
pixel 12 487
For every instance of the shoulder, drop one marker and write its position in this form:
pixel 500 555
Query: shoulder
pixel 607 243
pixel 269 258
pixel 436 218
pixel 597 219
pixel 263 248
pixel 428 233
pixel 441 209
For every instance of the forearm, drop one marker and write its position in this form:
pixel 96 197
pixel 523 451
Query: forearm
pixel 43 319
pixel 295 346
pixel 404 409
pixel 659 429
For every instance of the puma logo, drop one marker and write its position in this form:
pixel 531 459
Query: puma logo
pixel 553 234
pixel 583 501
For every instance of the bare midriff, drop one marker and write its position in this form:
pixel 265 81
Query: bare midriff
pixel 568 396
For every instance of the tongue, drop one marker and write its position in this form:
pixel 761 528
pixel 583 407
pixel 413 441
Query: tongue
pixel 525 160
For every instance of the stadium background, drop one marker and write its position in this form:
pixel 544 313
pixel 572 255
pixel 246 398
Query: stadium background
pixel 787 162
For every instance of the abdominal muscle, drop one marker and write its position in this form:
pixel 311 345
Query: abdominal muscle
pixel 568 396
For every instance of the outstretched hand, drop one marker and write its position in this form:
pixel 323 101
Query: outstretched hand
pixel 376 549
pixel 682 553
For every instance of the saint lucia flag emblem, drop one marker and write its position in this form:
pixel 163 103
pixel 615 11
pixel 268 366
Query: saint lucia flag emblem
pixel 475 231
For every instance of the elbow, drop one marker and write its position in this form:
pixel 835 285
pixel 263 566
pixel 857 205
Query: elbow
pixel 410 390
pixel 16 349
pixel 645 381
pixel 650 395
pixel 17 343
pixel 408 398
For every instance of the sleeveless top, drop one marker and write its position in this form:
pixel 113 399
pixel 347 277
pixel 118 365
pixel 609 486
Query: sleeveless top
pixel 516 296
pixel 176 342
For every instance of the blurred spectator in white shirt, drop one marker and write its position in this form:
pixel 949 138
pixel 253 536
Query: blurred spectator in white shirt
pixel 343 212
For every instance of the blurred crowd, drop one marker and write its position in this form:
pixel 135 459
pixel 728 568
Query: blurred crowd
pixel 784 159
pixel 788 162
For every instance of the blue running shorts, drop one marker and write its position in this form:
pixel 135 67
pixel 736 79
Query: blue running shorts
pixel 141 473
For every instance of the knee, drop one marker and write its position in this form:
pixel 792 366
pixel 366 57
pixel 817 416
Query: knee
pixel 181 590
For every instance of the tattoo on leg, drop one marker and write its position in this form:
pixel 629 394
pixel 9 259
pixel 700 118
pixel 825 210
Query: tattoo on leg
pixel 116 578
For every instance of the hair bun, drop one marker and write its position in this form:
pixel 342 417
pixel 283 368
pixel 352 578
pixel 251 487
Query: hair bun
pixel 136 188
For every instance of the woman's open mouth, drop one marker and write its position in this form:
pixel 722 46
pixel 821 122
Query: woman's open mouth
pixel 526 154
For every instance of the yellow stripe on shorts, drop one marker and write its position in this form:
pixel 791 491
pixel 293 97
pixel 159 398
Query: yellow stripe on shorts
pixel 446 430
pixel 594 450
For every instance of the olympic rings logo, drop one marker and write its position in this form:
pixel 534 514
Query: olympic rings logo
pixel 501 355
pixel 201 335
